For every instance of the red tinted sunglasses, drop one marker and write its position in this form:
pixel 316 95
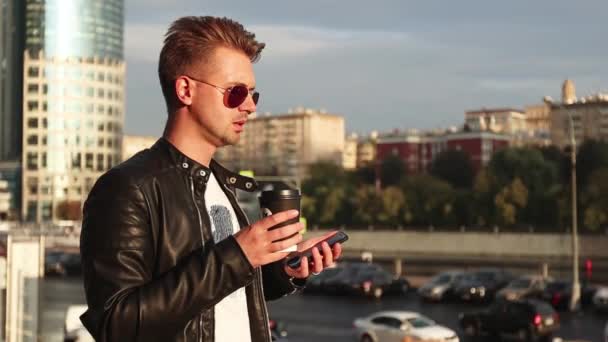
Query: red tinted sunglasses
pixel 233 96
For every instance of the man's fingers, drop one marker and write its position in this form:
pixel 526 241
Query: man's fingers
pixel 328 259
pixel 317 260
pixel 281 245
pixel 273 220
pixel 283 232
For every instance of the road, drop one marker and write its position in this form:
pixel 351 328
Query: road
pixel 316 317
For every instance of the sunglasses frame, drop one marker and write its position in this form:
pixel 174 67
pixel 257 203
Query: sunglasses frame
pixel 227 92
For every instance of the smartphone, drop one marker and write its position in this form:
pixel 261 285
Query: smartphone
pixel 294 261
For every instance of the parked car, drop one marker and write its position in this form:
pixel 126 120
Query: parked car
pixel 366 279
pixel 600 299
pixel 278 328
pixel 482 285
pixel 524 287
pixel 559 292
pixel 441 286
pixel 317 283
pixel 73 329
pixel 52 265
pixel 527 320
pixel 398 326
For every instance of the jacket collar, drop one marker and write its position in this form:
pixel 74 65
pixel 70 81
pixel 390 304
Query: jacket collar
pixel 200 171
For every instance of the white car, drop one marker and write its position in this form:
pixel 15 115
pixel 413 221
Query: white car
pixel 400 326
pixel 600 299
pixel 74 330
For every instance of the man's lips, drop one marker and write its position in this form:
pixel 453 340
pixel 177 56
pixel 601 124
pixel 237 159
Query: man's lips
pixel 238 125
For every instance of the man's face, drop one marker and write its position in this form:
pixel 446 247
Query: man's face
pixel 218 124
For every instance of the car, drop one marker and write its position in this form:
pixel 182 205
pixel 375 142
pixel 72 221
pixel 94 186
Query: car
pixel 524 287
pixel 600 299
pixel 559 292
pixel 366 279
pixel 52 264
pixel 441 286
pixel 482 285
pixel 73 329
pixel 398 326
pixel 317 283
pixel 278 329
pixel 527 320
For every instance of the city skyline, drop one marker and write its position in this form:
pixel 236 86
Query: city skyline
pixel 388 64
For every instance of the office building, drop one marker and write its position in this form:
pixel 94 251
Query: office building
pixel 73 101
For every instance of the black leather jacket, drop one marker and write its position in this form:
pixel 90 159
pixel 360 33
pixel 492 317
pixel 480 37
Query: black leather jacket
pixel 151 269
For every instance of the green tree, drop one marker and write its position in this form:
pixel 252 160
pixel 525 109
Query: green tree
pixel 595 200
pixel 509 200
pixel 368 203
pixel 454 167
pixel 592 155
pixel 393 203
pixel 430 200
pixel 392 171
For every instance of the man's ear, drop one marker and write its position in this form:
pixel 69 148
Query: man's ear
pixel 183 91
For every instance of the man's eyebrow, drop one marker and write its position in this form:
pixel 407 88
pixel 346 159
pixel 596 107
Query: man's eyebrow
pixel 232 84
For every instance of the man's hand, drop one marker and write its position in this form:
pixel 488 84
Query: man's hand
pixel 257 241
pixel 322 256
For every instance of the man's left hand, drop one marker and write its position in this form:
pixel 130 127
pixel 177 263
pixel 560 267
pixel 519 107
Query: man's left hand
pixel 322 257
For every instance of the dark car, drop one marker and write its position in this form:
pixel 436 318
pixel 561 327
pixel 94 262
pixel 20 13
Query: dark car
pixel 559 292
pixel 366 279
pixel 317 283
pixel 526 320
pixel 482 285
pixel 441 286
pixel 52 263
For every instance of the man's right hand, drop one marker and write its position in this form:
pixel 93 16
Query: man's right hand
pixel 258 242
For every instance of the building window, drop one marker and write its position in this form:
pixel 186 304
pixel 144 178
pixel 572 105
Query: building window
pixel 33 71
pixel 43 159
pixel 100 142
pixel 45 89
pixel 32 105
pixel 32 161
pixel 89 161
pixel 32 123
pixel 99 162
pixel 32 140
pixel 32 211
pixel 76 161
pixel 32 88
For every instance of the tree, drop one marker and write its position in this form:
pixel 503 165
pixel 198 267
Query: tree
pixel 592 155
pixel 595 199
pixel 509 200
pixel 392 171
pixel 393 203
pixel 430 200
pixel 455 167
pixel 368 203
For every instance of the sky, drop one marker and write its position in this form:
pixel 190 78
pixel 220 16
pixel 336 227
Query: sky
pixel 387 64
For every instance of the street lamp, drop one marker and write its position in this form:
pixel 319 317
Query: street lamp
pixel 576 286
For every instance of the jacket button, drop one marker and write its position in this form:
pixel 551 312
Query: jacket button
pixel 203 173
pixel 248 185
pixel 185 165
pixel 232 180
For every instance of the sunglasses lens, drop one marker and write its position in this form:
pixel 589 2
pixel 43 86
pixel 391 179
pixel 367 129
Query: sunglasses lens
pixel 256 97
pixel 236 96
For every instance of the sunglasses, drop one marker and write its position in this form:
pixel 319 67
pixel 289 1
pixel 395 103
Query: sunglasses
pixel 233 96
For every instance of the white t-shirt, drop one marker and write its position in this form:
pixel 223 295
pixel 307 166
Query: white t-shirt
pixel 231 315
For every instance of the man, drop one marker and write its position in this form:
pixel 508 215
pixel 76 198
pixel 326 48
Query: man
pixel 167 253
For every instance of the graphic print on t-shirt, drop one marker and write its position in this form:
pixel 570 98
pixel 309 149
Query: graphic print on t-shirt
pixel 222 222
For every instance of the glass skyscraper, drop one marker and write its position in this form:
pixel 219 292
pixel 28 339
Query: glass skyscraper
pixel 73 102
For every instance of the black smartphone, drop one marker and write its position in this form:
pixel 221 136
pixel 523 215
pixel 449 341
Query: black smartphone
pixel 294 261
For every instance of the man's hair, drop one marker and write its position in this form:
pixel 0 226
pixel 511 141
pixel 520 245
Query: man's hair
pixel 191 40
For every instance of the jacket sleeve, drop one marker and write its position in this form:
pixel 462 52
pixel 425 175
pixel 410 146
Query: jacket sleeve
pixel 126 301
pixel 277 283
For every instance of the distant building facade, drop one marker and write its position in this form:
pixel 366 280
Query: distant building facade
pixel 131 144
pixel 286 144
pixel 73 101
pixel 419 151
